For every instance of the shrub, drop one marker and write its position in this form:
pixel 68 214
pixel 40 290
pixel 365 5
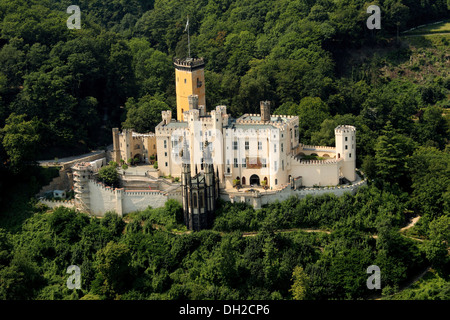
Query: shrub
pixel 109 175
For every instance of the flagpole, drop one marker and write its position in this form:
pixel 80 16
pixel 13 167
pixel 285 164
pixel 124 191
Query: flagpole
pixel 189 40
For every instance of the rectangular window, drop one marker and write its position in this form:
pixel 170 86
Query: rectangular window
pixel 275 166
pixel 244 163
pixel 235 145
pixel 235 162
pixel 259 145
pixel 274 148
pixel 281 147
pixel 346 138
pixel 346 147
pixel 263 162
pixel 165 154
pixel 167 164
pixel 282 164
pixel 247 145
pixel 165 144
pixel 349 155
pixel 276 181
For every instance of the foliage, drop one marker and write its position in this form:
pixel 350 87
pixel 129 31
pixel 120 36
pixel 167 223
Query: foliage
pixel 109 175
pixel 20 140
pixel 300 284
pixel 63 90
pixel 145 114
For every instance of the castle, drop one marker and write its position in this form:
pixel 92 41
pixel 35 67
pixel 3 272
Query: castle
pixel 255 158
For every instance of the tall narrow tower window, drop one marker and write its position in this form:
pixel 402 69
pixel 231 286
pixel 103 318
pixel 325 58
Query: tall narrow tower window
pixel 184 80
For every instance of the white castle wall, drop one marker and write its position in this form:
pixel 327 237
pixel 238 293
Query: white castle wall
pixel 103 199
pixel 262 198
pixel 316 172
pixel 58 203
pixel 134 201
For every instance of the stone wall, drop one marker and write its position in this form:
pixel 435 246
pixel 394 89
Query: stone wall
pixel 61 182
pixel 257 199
pixel 316 172
pixel 58 203
pixel 104 199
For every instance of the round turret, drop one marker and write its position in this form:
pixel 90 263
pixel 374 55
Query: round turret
pixel 346 150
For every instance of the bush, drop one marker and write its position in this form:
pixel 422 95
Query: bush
pixel 108 175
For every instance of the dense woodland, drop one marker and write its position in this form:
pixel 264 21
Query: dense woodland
pixel 61 92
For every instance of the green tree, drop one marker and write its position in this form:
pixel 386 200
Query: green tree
pixel 440 229
pixel 430 176
pixel 391 154
pixel 20 139
pixel 109 175
pixel 311 113
pixel 432 128
pixel 145 114
pixel 112 265
pixel 299 288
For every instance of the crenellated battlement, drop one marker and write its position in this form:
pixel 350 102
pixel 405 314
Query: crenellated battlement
pixel 317 162
pixel 344 129
pixel 192 62
pixel 316 148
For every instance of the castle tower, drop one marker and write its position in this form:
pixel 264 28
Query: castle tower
pixel 265 110
pixel 128 137
pixel 81 175
pixel 116 145
pixel 346 150
pixel 189 80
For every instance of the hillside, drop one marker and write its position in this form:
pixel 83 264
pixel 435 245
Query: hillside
pixel 62 90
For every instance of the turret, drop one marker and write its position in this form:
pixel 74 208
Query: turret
pixel 346 150
pixel 265 111
pixel 166 116
pixel 189 80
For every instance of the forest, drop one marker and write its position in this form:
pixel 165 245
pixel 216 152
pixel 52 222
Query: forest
pixel 62 90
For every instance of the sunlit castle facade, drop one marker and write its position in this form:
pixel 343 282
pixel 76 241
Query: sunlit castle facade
pixel 252 150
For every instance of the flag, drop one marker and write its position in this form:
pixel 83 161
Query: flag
pixel 187 24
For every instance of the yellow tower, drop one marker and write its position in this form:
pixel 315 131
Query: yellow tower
pixel 189 80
